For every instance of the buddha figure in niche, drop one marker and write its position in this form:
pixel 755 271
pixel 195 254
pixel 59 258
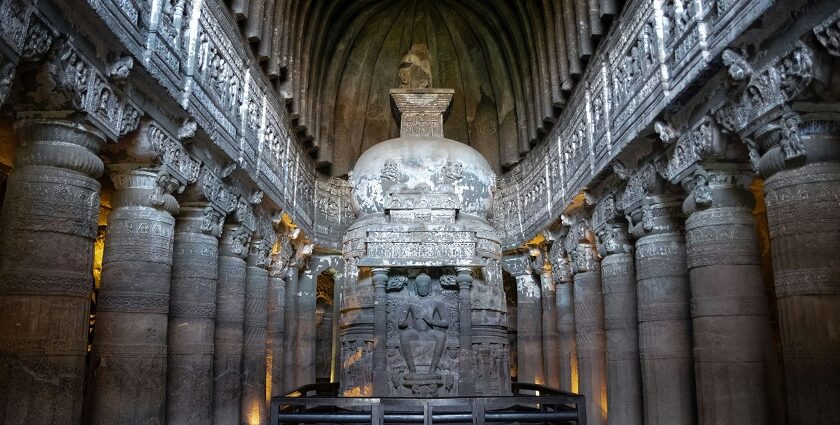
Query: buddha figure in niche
pixel 422 318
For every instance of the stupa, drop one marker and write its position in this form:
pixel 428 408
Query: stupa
pixel 423 314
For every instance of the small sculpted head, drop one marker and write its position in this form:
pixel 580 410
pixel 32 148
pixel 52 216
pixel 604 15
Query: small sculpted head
pixel 423 284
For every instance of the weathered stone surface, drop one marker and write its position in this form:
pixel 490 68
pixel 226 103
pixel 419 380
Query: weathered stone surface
pixel 551 337
pixel 192 314
pixel 618 283
pixel 47 230
pixel 253 350
pixel 529 336
pixel 230 317
pixel 590 336
pixel 729 309
pixel 129 345
pixel 664 318
pixel 802 208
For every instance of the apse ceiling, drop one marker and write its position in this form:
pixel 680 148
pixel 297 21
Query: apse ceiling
pixel 512 63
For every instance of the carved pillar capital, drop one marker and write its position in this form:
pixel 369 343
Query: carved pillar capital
pixel 761 113
pixel 580 244
pixel 59 143
pixel 379 275
pixel 828 34
pixel 718 185
pixel 649 203
pixel 517 265
pixel 464 277
pixel 7 75
pixel 69 84
pixel 234 241
pixel 142 187
pixel 259 251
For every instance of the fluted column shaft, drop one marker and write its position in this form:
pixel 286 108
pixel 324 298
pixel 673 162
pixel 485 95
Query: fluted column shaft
pixel 48 226
pixel 129 346
pixel 589 333
pixel 551 337
pixel 663 309
pixel 618 282
pixel 803 211
pixel 728 307
pixel 306 328
pixel 253 351
pixel 192 312
pixel 228 334
pixel 529 330
pixel 292 277
pixel 276 329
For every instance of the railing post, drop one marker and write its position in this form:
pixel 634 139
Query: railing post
pixel 377 414
pixel 427 414
pixel 478 412
pixel 272 415
pixel 580 406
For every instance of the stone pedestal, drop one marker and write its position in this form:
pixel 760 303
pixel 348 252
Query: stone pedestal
pixel 129 346
pixel 618 282
pixel 728 306
pixel 551 337
pixel 803 210
pixel 48 227
pixel 253 351
pixel 230 315
pixel 589 332
pixel 663 308
pixel 192 312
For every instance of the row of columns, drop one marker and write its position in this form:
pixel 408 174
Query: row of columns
pixel 181 322
pixel 671 317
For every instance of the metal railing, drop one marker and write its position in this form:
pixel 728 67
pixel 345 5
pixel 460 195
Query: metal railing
pixel 320 404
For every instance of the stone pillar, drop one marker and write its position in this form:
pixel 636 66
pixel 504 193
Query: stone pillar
pixel 664 322
pixel 618 283
pixel 589 324
pixel 803 210
pixel 292 275
pixel 48 225
pixel 380 332
pixel 551 337
pixel 562 274
pixel 230 315
pixel 253 351
pixel 276 324
pixel 129 346
pixel 466 386
pixel 305 338
pixel 338 291
pixel 192 312
pixel 795 144
pixel 729 310
pixel 528 321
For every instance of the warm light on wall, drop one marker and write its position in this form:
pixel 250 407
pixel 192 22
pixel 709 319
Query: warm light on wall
pixel 254 416
pixel 269 360
pixel 575 378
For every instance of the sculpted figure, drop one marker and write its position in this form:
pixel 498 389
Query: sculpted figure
pixel 423 320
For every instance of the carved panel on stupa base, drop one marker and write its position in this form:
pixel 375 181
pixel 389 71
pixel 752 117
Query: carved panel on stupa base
pixel 422 329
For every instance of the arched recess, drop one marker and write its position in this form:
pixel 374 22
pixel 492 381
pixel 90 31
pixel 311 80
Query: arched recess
pixel 512 65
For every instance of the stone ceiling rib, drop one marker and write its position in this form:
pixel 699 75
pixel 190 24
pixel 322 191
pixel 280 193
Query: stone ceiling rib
pixel 518 62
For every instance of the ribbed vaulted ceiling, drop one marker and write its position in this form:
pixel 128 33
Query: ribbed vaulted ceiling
pixel 512 65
